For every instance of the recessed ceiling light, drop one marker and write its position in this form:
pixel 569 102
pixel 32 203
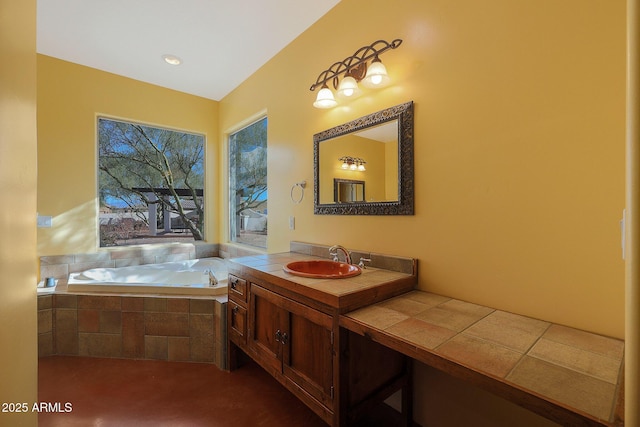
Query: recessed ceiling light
pixel 172 59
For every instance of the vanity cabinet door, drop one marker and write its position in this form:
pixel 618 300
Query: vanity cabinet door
pixel 266 318
pixel 308 355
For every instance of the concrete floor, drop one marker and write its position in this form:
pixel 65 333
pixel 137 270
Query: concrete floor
pixel 119 392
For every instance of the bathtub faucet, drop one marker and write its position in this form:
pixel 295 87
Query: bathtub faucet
pixel 213 281
pixel 333 251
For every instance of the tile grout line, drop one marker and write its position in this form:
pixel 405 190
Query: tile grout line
pixel 578 371
pixel 526 352
pixel 588 350
pixel 457 333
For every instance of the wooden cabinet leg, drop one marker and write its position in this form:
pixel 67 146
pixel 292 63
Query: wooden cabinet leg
pixel 232 356
pixel 407 395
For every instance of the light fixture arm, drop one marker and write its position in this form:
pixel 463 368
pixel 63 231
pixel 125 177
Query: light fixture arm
pixel 354 65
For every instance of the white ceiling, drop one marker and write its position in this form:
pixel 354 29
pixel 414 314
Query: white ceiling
pixel 221 42
pixel 386 132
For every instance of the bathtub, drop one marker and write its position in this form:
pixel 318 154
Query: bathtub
pixel 200 277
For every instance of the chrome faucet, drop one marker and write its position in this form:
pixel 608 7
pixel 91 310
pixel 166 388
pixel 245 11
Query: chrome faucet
pixel 333 251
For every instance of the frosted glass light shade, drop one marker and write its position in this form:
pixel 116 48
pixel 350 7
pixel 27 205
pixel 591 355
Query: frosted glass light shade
pixel 348 88
pixel 325 98
pixel 376 75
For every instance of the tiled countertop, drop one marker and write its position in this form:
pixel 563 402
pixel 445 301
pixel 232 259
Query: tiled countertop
pixel 570 376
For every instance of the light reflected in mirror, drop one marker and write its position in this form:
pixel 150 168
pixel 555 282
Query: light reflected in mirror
pixel 375 151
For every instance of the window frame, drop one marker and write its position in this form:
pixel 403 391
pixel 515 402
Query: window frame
pixel 201 194
pixel 231 214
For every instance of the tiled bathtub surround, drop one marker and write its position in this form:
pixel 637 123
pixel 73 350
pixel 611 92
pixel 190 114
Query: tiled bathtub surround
pixel 59 266
pixel 133 327
pixel 45 325
pixel 232 251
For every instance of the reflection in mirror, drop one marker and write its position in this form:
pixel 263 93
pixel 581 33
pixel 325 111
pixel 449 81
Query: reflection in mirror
pixel 348 191
pixel 376 150
pixel 377 146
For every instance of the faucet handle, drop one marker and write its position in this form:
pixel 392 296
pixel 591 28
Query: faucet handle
pixel 334 256
pixel 362 261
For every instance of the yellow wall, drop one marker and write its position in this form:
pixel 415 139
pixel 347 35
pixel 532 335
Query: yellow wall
pixel 70 97
pixel 18 327
pixel 632 219
pixel 519 145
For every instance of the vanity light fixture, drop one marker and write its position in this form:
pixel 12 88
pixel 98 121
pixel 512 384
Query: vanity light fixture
pixel 376 74
pixel 353 163
pixel 355 69
pixel 172 59
pixel 325 98
pixel 348 88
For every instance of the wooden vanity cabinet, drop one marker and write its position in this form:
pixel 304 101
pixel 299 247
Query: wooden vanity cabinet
pixel 295 336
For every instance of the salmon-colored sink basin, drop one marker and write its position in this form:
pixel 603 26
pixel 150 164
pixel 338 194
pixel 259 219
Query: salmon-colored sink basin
pixel 321 269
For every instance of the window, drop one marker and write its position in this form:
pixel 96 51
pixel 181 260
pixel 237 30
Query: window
pixel 150 184
pixel 248 184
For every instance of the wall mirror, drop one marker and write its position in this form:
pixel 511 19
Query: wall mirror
pixel 374 151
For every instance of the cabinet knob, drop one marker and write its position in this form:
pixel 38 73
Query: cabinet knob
pixel 285 338
pixel 235 310
pixel 278 335
pixel 234 283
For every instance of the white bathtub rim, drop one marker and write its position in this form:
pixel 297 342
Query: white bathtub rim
pixel 147 289
pixel 194 273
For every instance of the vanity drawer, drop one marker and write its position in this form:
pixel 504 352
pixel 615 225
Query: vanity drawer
pixel 237 289
pixel 237 321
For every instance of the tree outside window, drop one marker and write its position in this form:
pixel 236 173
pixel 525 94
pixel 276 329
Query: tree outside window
pixel 150 184
pixel 248 184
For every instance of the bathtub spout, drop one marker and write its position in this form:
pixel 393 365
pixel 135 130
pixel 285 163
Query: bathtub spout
pixel 213 281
